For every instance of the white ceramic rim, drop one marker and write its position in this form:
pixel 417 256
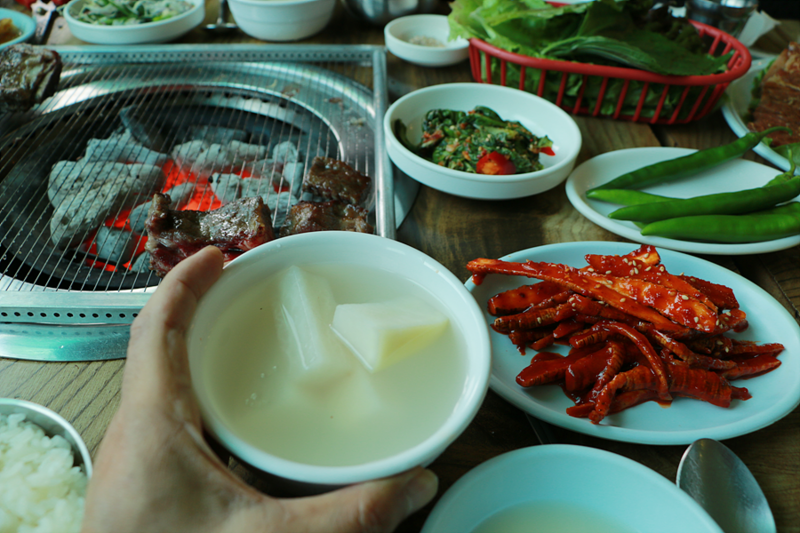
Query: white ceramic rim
pixel 49 413
pixel 19 20
pixel 572 151
pixel 474 391
pixel 263 3
pixel 449 46
pixel 128 28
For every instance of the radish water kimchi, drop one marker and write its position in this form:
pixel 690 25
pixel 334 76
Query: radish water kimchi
pixel 634 332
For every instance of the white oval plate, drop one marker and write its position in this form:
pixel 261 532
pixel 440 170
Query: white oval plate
pixel 572 478
pixel 24 24
pixel 738 96
pixel 775 394
pixel 731 176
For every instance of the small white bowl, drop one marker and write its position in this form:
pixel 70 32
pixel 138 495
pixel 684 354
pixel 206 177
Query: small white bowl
pixel 337 251
pixel 24 24
pixel 282 20
pixel 149 33
pixel 400 31
pixel 538 115
pixel 53 424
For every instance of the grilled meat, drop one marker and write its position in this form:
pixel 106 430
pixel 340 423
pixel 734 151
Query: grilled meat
pixel 28 75
pixel 335 180
pixel 779 103
pixel 321 216
pixel 175 235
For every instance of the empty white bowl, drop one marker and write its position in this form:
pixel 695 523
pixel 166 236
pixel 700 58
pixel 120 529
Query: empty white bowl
pixel 536 114
pixel 23 23
pixel 161 31
pixel 282 20
pixel 238 294
pixel 400 33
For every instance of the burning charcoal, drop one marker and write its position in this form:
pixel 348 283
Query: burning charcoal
pixel 175 235
pixel 146 132
pixel 321 216
pixel 180 194
pixel 285 152
pixel 141 263
pixel 114 245
pixel 217 134
pixel 226 187
pixel 242 152
pixel 122 148
pixel 28 75
pixel 335 180
pixel 96 191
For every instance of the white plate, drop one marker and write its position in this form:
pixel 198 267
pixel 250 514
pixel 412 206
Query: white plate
pixel 583 480
pixel 537 114
pixel 738 96
pixel 731 176
pixel 24 24
pixel 775 394
pixel 398 32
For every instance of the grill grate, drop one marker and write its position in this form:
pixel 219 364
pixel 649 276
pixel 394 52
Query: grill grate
pixel 273 101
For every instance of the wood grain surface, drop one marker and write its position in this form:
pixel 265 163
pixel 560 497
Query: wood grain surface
pixel 453 231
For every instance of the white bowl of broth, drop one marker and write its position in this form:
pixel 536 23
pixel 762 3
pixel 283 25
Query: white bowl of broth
pixel 323 421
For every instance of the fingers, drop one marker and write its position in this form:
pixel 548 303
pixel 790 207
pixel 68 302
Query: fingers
pixel 372 507
pixel 157 365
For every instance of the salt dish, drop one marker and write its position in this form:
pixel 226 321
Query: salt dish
pixel 539 116
pixel 424 40
pixel 161 31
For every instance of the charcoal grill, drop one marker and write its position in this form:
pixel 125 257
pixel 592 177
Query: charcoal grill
pixel 68 303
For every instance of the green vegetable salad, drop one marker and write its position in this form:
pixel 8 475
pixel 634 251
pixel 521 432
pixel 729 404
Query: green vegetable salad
pixel 126 12
pixel 478 141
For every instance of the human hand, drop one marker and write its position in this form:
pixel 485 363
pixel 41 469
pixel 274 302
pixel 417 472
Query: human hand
pixel 154 472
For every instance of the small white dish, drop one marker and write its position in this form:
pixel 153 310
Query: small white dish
pixel 737 102
pixel 282 20
pixel 734 175
pixel 536 114
pixel 23 23
pixel 566 488
pixel 774 395
pixel 149 33
pixel 400 34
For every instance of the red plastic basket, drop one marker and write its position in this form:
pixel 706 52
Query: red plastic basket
pixel 695 96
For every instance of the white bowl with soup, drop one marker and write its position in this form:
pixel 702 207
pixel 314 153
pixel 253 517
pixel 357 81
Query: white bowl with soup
pixel 330 358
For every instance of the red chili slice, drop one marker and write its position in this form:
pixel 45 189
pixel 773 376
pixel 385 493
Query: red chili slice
pixel 495 164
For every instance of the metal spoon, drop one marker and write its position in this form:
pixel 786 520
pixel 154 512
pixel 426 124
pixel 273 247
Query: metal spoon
pixel 722 484
pixel 222 25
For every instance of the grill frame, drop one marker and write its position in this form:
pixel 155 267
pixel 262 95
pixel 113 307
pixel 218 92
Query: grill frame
pixel 88 315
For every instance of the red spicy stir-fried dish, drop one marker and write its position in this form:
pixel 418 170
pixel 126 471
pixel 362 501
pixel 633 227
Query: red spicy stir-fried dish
pixel 635 332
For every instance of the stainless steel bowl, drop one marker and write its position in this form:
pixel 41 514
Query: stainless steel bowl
pixel 53 424
pixel 379 12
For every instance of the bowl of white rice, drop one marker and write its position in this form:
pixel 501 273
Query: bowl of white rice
pixel 44 470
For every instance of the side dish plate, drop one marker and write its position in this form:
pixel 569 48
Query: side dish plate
pixel 774 395
pixel 737 101
pixel 731 176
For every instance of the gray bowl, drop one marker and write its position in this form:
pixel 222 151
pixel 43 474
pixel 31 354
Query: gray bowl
pixel 379 12
pixel 53 424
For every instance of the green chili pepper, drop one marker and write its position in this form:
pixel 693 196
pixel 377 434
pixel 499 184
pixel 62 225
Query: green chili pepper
pixel 727 228
pixel 625 196
pixel 728 203
pixel 687 165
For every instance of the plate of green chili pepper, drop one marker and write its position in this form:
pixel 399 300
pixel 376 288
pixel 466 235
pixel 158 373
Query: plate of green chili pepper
pixel 727 177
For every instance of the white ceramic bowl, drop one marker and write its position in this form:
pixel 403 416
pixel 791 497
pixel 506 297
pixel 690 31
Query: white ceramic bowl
pixel 24 24
pixel 331 248
pixel 152 32
pixel 538 115
pixel 400 31
pixel 53 424
pixel 282 20
pixel 567 488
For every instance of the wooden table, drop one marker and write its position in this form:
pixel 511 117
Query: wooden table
pixel 453 231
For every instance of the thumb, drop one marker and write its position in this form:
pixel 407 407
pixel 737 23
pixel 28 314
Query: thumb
pixel 371 507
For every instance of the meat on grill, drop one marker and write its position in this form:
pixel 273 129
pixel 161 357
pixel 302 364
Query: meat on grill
pixel 175 235
pixel 335 180
pixel 28 75
pixel 779 104
pixel 305 217
pixel 84 194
